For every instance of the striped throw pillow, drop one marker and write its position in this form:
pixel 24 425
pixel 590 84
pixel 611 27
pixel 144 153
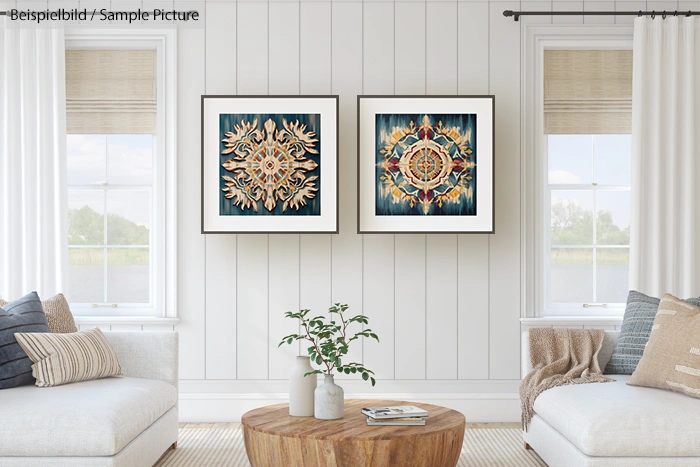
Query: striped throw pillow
pixel 671 359
pixel 23 315
pixel 634 335
pixel 68 358
pixel 58 314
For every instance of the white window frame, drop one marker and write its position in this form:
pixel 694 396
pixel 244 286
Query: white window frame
pixel 163 242
pixel 534 174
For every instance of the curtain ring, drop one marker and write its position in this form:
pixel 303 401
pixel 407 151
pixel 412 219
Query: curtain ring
pixel 653 14
pixel 688 15
pixel 663 16
pixel 640 14
pixel 675 13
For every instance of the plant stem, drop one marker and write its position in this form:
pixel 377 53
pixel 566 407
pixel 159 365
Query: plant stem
pixel 318 351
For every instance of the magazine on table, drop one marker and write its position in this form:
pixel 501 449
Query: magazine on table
pixel 400 411
pixel 411 421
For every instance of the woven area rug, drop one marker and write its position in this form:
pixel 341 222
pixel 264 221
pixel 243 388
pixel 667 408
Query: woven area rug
pixel 222 446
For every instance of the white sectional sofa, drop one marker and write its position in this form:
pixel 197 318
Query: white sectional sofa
pixel 125 421
pixel 612 424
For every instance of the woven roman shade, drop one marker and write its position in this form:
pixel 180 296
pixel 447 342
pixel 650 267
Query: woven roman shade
pixel 587 91
pixel 111 91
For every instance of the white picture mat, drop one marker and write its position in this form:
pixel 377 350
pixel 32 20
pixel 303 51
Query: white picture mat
pixel 326 107
pixel 483 221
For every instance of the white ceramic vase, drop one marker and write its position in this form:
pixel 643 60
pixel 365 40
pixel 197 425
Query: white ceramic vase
pixel 329 400
pixel 301 389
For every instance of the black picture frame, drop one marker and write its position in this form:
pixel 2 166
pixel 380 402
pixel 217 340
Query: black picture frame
pixel 361 98
pixel 203 188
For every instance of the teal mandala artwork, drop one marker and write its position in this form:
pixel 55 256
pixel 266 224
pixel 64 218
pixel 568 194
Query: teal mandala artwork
pixel 425 164
pixel 270 165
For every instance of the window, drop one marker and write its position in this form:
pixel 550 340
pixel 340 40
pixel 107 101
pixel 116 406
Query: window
pixel 588 198
pixel 120 157
pixel 579 220
pixel 110 219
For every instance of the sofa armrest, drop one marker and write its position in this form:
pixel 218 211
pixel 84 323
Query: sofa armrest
pixel 150 355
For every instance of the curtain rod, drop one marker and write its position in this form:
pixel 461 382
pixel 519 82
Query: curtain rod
pixel 517 14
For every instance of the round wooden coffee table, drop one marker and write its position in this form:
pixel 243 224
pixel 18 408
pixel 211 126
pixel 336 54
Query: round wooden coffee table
pixel 274 439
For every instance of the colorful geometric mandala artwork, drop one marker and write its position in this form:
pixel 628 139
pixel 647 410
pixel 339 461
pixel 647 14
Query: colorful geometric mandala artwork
pixel 270 164
pixel 426 164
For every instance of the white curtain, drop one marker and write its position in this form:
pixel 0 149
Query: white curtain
pixel 33 205
pixel 665 223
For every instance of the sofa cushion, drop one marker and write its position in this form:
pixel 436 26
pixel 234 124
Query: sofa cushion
pixel 22 315
pixel 58 313
pixel 614 419
pixel 634 335
pixel 90 418
pixel 671 359
pixel 69 357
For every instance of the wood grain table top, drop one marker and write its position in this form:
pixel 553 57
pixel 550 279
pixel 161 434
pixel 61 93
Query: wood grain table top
pixel 275 420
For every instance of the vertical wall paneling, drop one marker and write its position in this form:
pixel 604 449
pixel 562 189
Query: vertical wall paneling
pixel 441 250
pixel 441 310
pixel 283 296
pixel 315 273
pixel 504 251
pixel 283 47
pixel 253 307
pixel 346 42
pixel 315 48
pixel 410 51
pixel 628 6
pixel 221 271
pixel 567 6
pixel 252 46
pixel 660 5
pixel 409 249
pixel 315 255
pixel 190 245
pixel 378 249
pixel 321 75
pixel 539 5
pixel 473 250
pixel 283 259
pixel 686 5
pixel 598 6
pixel 442 39
pixel 253 260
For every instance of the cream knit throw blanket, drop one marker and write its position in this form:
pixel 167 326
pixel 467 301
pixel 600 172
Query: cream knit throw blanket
pixel 560 357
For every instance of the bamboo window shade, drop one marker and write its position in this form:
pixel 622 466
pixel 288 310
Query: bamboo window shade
pixel 587 91
pixel 111 91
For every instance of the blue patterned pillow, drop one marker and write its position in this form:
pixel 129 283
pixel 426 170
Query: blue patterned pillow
pixel 23 315
pixel 634 335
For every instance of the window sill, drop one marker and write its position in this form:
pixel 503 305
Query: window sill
pixel 572 321
pixel 138 320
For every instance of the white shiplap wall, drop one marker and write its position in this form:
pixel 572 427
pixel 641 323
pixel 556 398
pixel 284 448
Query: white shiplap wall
pixel 447 307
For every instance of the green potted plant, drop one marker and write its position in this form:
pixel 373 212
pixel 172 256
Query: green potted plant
pixel 330 341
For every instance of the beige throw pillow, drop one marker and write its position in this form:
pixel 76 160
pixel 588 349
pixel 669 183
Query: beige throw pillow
pixel 671 358
pixel 57 312
pixel 68 358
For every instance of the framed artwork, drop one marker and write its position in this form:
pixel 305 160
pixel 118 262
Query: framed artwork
pixel 269 164
pixel 425 164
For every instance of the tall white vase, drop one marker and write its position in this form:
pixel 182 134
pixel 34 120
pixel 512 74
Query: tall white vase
pixel 330 400
pixel 301 389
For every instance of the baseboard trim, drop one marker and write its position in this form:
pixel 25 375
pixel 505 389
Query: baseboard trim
pixel 229 407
